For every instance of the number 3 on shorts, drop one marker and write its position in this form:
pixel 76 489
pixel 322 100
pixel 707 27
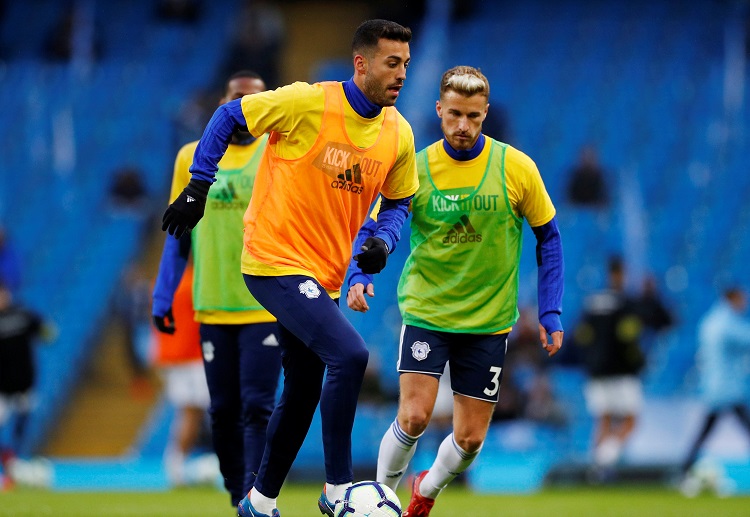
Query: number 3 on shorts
pixel 495 382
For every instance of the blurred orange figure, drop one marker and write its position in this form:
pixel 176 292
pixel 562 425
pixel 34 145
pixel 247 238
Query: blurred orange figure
pixel 179 357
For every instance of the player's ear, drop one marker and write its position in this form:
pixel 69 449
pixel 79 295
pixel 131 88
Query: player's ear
pixel 438 109
pixel 360 64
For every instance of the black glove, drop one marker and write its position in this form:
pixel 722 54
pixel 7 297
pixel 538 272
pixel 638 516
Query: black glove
pixel 185 212
pixel 165 323
pixel 373 257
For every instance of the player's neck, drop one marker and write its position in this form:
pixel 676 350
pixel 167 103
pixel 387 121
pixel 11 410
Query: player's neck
pixel 359 101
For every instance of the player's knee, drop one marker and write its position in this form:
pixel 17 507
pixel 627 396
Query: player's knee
pixel 414 421
pixel 355 362
pixel 223 415
pixel 470 443
pixel 254 415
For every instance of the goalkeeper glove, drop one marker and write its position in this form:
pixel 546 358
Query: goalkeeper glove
pixel 185 212
pixel 373 257
pixel 165 324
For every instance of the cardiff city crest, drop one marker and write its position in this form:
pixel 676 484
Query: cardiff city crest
pixel 419 350
pixel 309 289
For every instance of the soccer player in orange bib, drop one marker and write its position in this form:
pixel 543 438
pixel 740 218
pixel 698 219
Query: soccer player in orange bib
pixel 459 288
pixel 332 148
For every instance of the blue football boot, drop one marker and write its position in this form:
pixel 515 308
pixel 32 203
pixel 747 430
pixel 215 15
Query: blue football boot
pixel 326 507
pixel 245 509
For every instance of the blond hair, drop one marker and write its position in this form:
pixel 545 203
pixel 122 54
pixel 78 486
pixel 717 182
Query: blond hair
pixel 465 80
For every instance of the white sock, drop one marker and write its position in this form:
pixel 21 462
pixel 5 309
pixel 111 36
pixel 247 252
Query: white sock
pixel 608 452
pixel 396 451
pixel 262 503
pixel 451 460
pixel 174 465
pixel 336 492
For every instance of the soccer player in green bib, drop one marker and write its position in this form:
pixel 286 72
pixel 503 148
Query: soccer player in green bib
pixel 458 291
pixel 239 338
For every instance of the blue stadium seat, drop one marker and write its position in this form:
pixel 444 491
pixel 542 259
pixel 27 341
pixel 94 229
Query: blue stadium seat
pixel 79 129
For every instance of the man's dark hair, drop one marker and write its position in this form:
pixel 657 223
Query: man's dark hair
pixel 368 34
pixel 241 74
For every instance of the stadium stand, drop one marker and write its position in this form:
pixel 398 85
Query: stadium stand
pixel 78 123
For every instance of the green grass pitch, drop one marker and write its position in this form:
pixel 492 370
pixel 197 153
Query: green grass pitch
pixel 298 500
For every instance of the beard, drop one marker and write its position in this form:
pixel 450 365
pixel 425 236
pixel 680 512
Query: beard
pixel 455 143
pixel 376 92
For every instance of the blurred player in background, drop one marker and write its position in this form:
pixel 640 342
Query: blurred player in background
pixel 608 340
pixel 178 355
pixel 723 350
pixel 19 328
pixel 239 337
pixel 332 148
pixel 459 288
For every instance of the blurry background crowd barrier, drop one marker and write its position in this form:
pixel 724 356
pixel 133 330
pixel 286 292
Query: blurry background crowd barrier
pixel 646 100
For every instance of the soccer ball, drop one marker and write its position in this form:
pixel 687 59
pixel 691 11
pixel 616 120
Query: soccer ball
pixel 368 499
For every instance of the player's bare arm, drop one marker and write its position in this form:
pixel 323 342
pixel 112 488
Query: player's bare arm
pixel 355 298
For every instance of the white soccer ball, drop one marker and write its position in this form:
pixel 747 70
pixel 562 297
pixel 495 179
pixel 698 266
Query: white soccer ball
pixel 368 499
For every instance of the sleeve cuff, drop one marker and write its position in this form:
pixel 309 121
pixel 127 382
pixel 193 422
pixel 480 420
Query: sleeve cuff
pixel 387 239
pixel 160 306
pixel 551 322
pixel 360 278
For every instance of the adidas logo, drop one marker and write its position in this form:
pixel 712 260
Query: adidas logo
pixel 190 199
pixel 270 340
pixel 349 182
pixel 462 232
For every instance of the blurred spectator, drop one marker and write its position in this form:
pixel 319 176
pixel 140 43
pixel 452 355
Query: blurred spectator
pixel 128 193
pixel 654 313
pixel 132 310
pixel 609 337
pixel 408 14
pixel 723 351
pixel 194 114
pixel 19 328
pixel 372 390
pixel 127 187
pixel 59 43
pixel 463 10
pixel 511 403
pixel 178 10
pixel 541 404
pixel 531 394
pixel 10 264
pixel 587 185
pixel 74 34
pixel 259 34
pixel 180 359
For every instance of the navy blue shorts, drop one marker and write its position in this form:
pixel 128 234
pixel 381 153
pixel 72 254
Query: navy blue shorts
pixel 476 360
